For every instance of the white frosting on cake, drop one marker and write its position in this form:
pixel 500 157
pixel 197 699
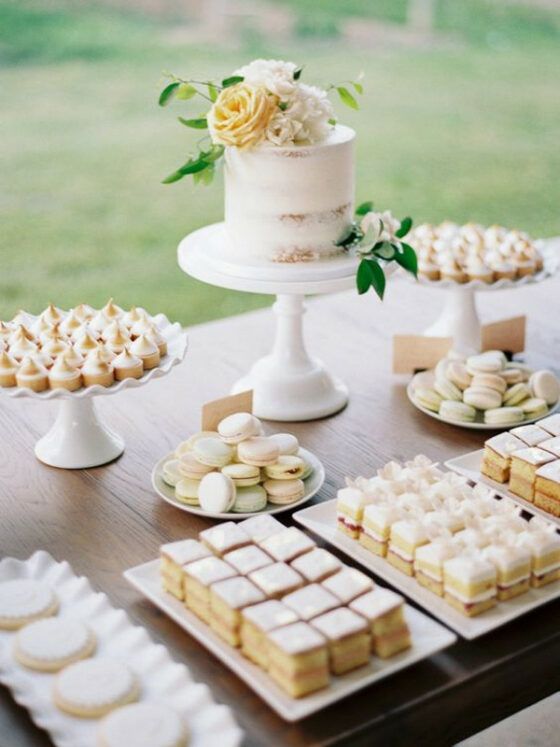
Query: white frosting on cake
pixel 310 601
pixel 269 615
pixel 290 204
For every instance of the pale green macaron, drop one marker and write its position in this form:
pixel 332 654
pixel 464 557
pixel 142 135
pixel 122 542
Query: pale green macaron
pixel 428 398
pixel 212 452
pixel 186 491
pixel 186 446
pixel 457 411
pixel 516 394
pixel 504 416
pixel 285 468
pixel 534 407
pixel 170 472
pixel 250 499
pixel 243 475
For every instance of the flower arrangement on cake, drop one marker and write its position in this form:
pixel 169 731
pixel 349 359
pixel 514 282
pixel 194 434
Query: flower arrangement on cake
pixel 289 170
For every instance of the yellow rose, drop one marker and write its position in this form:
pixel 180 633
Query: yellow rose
pixel 240 115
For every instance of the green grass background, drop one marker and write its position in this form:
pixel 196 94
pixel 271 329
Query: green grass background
pixel 465 128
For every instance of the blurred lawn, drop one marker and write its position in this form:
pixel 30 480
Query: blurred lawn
pixel 465 130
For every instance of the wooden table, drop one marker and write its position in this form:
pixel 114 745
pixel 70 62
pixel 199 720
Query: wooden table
pixel 107 519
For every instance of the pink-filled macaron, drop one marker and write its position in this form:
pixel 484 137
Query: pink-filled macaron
pixel 283 492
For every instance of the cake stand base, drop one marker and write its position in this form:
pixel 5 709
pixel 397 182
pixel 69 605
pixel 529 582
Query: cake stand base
pixel 459 319
pixel 78 439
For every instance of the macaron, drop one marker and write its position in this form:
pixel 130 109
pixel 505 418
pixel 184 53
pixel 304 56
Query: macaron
pixel 250 499
pixel 285 468
pixel 259 451
pixel 545 385
pixel 216 493
pixel 428 398
pixel 441 368
pixel 186 491
pixel 504 416
pixel 239 427
pixel 457 411
pixel 512 375
pixel 243 475
pixel 447 390
pixel 524 370
pixel 516 394
pixel 492 381
pixel 534 407
pixel 482 398
pixel 457 374
pixel 212 452
pixel 307 468
pixel 186 446
pixel 284 492
pixel 170 472
pixel 423 380
pixel 189 466
pixel 490 362
pixel 286 442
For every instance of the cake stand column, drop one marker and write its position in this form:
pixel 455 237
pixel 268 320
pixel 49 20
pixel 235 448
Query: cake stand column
pixel 459 319
pixel 78 439
pixel 288 384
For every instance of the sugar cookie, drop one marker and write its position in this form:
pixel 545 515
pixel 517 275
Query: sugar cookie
pixel 143 725
pixel 51 644
pixel 23 601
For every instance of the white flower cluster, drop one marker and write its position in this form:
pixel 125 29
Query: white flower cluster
pixel 384 226
pixel 303 112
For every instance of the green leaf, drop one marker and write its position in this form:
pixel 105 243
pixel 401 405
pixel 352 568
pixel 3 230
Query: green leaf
pixel 386 251
pixel 205 176
pixel 406 225
pixel 185 92
pixel 213 154
pixel 192 166
pixel 377 277
pixel 197 124
pixel 364 208
pixel 363 277
pixel 351 237
pixel 212 91
pixel 283 105
pixel 297 73
pixel 168 92
pixel 358 87
pixel 332 121
pixel 408 259
pixel 232 81
pixel 347 98
pixel 174 177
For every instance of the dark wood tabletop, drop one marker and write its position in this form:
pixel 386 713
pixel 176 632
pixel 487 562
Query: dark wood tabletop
pixel 107 519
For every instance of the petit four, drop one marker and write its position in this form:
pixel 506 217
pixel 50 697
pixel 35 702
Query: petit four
pixel 227 599
pixel 176 555
pixel 348 584
pixel 53 643
pixel 470 584
pixel 547 485
pixel 143 725
pixel 544 547
pixel 384 611
pixel 531 435
pixel 513 568
pixel 310 601
pixel 316 565
pixel 287 544
pixel 375 528
pixel 524 465
pixel 23 601
pixel 260 528
pixel 298 659
pixel 406 536
pixel 496 460
pixel 247 559
pixel 256 622
pixel 277 580
pixel 350 506
pixel 224 538
pixel 551 424
pixel 429 560
pixel 348 639
pixel 94 687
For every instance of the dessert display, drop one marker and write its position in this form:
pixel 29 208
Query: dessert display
pixel 474 252
pixel 79 348
pixel 454 539
pixel 527 459
pixel 290 607
pixel 486 388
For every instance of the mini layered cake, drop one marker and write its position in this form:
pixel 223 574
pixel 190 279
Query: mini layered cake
pixel 174 557
pixel 524 466
pixel 383 609
pixel 496 461
pixel 259 620
pixel 376 527
pixel 547 488
pixel 277 580
pixel 227 599
pixel 350 506
pixel 470 584
pixel 199 577
pixel 544 547
pixel 429 560
pixel 407 536
pixel 348 639
pixel 513 568
pixel 531 435
pixel 317 565
pixel 298 659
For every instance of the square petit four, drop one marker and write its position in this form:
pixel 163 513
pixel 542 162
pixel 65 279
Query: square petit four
pixel 348 584
pixel 227 599
pixel 551 424
pixel 545 551
pixel 552 445
pixel 260 527
pixel 199 577
pixel 310 601
pixel 276 580
pixel 256 622
pixel 384 611
pixel 317 565
pixel 348 637
pixel 531 435
pixel 224 538
pixel 470 584
pixel 429 560
pixel 496 459
pixel 298 659
pixel 175 555
pixel 247 559
pixel 524 465
pixel 350 505
pixel 513 568
pixel 287 544
pixel 547 487
pixel 406 536
pixel 376 526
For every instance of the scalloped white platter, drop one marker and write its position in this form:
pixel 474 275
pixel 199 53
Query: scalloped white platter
pixel 177 344
pixel 469 466
pixel 321 520
pixel 313 484
pixel 428 637
pixel 160 677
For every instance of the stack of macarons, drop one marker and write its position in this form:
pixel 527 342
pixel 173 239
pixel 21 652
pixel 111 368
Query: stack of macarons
pixel 486 388
pixel 237 468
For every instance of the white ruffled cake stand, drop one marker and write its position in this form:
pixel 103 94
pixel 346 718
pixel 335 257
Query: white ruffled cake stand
pixel 78 438
pixel 288 384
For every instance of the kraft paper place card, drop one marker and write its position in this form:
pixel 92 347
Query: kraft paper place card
pixel 507 335
pixel 218 409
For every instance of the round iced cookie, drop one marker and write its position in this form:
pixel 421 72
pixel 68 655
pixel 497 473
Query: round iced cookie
pixel 186 491
pixel 25 600
pixel 216 493
pixel 457 374
pixel 190 467
pixel 492 381
pixel 243 475
pixel 283 492
pixel 170 472
pixel 457 411
pixel 212 452
pixel 143 725
pixel 534 407
pixel 482 398
pixel 287 443
pixel 447 390
pixel 286 468
pixel 53 643
pixel 504 416
pixel 516 394
pixel 259 451
pixel 249 500
pixel 545 385
pixel 94 687
pixel 239 427
pixel 188 445
pixel 428 398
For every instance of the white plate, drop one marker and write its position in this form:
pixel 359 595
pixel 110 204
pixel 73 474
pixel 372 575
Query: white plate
pixel 477 424
pixel 313 484
pixel 161 678
pixel 469 466
pixel 321 520
pixel 428 637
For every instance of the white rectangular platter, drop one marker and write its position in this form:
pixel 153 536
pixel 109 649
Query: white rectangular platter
pixel 469 466
pixel 428 637
pixel 321 520
pixel 161 679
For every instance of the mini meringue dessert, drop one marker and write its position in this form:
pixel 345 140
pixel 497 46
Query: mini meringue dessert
pixel 32 375
pixel 64 376
pixel 8 370
pixel 127 366
pixel 97 371
pixel 146 350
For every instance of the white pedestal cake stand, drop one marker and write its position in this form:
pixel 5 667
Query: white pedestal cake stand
pixel 288 384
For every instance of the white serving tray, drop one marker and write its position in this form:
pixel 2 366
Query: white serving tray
pixel 321 520
pixel 428 637
pixel 313 484
pixel 161 678
pixel 469 466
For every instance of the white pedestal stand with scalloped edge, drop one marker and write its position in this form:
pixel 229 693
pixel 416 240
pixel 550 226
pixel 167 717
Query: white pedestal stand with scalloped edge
pixel 288 384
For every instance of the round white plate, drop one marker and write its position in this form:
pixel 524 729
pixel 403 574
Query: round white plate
pixel 477 424
pixel 313 484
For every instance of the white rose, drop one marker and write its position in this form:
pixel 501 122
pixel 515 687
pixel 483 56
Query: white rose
pixel 282 130
pixel 384 226
pixel 276 76
pixel 311 109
